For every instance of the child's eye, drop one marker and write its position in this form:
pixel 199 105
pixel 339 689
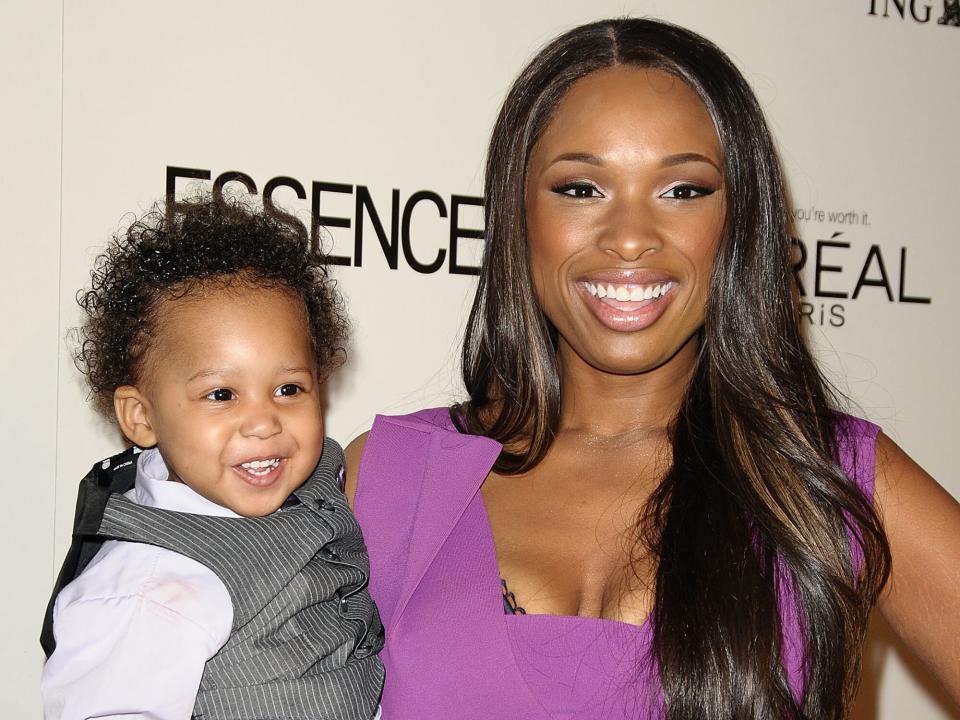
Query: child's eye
pixel 687 191
pixel 288 390
pixel 220 395
pixel 578 189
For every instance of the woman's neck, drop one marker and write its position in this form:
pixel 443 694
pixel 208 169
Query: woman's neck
pixel 608 406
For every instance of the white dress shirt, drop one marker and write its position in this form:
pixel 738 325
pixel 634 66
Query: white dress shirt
pixel 136 628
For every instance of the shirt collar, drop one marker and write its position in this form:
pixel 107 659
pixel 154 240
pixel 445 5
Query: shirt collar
pixel 153 488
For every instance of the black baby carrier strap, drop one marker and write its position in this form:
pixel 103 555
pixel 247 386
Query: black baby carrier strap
pixel 116 474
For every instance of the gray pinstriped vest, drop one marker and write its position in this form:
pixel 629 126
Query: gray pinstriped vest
pixel 305 633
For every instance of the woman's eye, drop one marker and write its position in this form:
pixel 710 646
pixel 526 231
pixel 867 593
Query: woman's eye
pixel 220 395
pixel 577 190
pixel 687 192
pixel 288 390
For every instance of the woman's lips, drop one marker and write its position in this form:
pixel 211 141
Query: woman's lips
pixel 627 306
pixel 262 472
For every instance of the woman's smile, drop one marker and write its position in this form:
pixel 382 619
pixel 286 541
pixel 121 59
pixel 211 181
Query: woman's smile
pixel 627 301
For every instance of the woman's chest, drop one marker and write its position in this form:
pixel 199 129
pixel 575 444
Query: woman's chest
pixel 573 540
pixel 452 650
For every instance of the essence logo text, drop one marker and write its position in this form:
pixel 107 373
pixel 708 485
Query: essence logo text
pixel 396 244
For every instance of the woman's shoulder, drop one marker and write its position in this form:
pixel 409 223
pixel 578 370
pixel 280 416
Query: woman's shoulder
pixel 427 420
pixel 400 445
pixel 856 427
pixel 853 431
pixel 856 449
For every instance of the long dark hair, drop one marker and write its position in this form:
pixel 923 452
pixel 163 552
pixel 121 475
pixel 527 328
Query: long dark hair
pixel 755 501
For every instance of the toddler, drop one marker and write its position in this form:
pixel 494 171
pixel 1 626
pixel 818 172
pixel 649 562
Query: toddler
pixel 218 574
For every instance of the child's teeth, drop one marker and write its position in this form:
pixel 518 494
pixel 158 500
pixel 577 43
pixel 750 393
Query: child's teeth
pixel 260 467
pixel 260 463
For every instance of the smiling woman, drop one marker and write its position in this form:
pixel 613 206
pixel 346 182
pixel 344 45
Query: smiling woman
pixel 638 215
pixel 650 505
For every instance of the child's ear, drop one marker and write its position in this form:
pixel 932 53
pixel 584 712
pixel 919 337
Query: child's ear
pixel 130 407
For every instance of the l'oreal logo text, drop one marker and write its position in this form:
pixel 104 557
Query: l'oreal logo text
pixel 834 263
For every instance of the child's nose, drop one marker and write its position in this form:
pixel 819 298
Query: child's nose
pixel 260 421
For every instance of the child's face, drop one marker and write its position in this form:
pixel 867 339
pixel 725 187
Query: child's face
pixel 231 395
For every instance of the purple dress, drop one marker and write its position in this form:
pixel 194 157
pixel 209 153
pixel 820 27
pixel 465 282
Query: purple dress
pixel 451 651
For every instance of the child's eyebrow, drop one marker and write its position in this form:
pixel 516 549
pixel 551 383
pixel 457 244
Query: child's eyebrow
pixel 207 373
pixel 225 371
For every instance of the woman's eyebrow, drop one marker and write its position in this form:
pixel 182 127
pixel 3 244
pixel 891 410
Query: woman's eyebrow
pixel 668 161
pixel 680 158
pixel 583 157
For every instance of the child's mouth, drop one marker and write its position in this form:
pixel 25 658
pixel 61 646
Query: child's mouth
pixel 260 473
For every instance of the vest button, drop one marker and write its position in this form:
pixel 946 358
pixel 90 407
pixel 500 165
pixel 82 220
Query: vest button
pixel 329 553
pixel 325 505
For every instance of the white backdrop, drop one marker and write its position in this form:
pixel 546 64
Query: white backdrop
pixel 101 98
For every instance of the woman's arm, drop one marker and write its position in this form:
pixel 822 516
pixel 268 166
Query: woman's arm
pixel 353 453
pixel 921 600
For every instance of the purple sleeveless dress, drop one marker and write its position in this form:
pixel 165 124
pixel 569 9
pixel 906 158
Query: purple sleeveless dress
pixel 451 652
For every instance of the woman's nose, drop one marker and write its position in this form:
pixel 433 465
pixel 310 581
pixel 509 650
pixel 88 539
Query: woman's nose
pixel 260 420
pixel 631 231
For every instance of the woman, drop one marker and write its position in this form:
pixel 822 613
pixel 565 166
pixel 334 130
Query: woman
pixel 648 506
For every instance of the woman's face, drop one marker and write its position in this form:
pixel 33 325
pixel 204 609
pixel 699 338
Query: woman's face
pixel 625 210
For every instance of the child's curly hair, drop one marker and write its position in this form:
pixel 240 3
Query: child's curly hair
pixel 198 242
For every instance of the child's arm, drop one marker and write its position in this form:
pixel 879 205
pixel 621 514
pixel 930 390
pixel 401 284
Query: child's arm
pixel 133 635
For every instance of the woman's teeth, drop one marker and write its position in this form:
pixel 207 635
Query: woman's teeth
pixel 261 467
pixel 628 293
